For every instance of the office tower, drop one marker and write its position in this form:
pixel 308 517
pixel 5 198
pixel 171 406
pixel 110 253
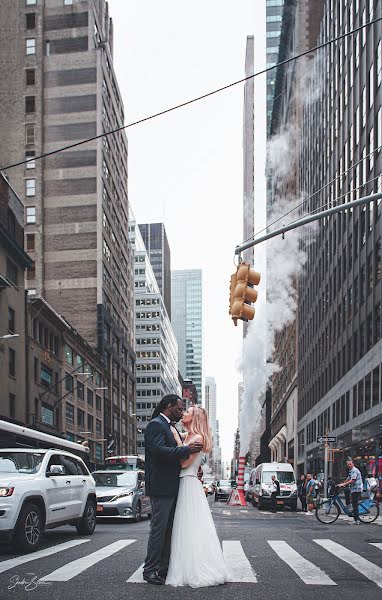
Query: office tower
pixel 155 341
pixel 210 402
pixel 13 262
pixel 186 310
pixel 155 239
pixel 62 91
pixel 274 15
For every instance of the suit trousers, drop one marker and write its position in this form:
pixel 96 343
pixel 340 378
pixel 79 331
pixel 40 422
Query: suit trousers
pixel 273 501
pixel 159 544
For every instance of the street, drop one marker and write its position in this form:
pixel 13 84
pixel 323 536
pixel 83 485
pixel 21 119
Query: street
pixel 269 555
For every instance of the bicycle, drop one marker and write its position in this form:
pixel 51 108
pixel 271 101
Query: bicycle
pixel 329 509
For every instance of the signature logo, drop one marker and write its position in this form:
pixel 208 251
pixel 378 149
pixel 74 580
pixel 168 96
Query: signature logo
pixel 30 582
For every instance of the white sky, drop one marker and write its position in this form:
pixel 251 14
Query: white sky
pixel 185 169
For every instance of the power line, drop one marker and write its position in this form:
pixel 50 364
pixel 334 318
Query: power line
pixel 353 166
pixel 197 99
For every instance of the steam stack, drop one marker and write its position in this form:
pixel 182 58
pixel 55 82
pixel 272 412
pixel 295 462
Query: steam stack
pixel 240 480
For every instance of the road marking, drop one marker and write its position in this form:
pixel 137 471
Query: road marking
pixel 362 565
pixel 226 512
pixel 237 563
pixel 76 567
pixel 376 544
pixel 137 577
pixel 306 570
pixel 6 565
pixel 243 510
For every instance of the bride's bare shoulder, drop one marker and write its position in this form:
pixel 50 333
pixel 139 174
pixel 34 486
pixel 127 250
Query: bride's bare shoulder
pixel 194 438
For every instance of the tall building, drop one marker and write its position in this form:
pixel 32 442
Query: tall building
pixel 340 293
pixel 155 341
pixel 59 88
pixel 274 15
pixel 248 154
pixel 155 239
pixel 186 310
pixel 13 262
pixel 210 402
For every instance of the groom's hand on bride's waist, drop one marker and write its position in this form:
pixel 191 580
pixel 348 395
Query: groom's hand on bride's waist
pixel 195 447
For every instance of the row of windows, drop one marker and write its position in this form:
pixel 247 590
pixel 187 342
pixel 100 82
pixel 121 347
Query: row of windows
pixel 72 385
pixel 148 393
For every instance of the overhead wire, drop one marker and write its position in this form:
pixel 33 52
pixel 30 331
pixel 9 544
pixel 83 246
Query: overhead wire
pixel 196 99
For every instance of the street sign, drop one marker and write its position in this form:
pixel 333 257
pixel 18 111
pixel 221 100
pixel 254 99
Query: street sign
pixel 330 439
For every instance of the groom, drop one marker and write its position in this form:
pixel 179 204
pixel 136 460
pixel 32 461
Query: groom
pixel 162 466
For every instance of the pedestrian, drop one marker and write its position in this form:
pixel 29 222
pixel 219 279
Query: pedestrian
pixel 301 490
pixel 354 482
pixel 275 491
pixel 310 493
pixel 371 485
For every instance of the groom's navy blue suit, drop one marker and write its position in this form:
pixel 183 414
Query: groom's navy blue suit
pixel 162 456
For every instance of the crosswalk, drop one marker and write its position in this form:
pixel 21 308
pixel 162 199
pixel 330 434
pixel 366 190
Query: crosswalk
pixel 282 554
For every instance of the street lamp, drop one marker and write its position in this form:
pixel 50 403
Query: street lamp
pixel 9 336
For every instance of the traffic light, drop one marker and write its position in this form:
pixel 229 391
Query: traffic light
pixel 242 294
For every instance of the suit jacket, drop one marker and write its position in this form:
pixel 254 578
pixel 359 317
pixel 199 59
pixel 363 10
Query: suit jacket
pixel 162 456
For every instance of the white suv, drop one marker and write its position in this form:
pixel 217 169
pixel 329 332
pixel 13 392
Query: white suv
pixel 43 489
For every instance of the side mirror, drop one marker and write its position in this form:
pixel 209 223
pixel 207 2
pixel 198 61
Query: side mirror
pixel 56 470
pixel 142 485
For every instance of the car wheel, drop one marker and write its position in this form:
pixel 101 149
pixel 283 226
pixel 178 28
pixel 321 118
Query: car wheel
pixel 138 513
pixel 216 497
pixel 87 524
pixel 294 507
pixel 149 516
pixel 29 529
pixel 260 505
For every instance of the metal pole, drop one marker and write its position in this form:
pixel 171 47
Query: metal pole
pixel 326 469
pixel 308 219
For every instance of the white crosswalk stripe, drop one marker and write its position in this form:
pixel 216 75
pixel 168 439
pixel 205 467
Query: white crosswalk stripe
pixel 376 544
pixel 307 571
pixel 76 567
pixel 6 565
pixel 362 565
pixel 237 563
pixel 137 576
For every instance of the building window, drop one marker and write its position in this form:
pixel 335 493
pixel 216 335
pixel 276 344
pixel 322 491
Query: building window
pixel 30 241
pixel 68 351
pixel 98 452
pixel 30 104
pixel 47 415
pixel 30 187
pixel 30 157
pixel 11 272
pixel 12 406
pixel 69 413
pixel 98 403
pixel 68 2
pixel 30 20
pixel 29 133
pixel 30 2
pixel 30 76
pixel 90 397
pixel 69 384
pixel 30 45
pixel 31 214
pixel 12 362
pixel 80 418
pixel 46 376
pixel 80 391
pixel 90 423
pixel 11 320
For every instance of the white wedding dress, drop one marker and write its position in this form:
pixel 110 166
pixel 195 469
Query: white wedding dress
pixel 196 555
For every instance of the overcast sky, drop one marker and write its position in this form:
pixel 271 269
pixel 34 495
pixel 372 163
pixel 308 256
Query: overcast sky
pixel 186 168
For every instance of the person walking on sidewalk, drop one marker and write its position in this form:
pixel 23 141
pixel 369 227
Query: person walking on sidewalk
pixel 354 482
pixel 275 491
pixel 310 493
pixel 301 490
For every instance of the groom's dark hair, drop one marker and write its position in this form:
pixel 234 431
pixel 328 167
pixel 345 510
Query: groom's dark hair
pixel 163 404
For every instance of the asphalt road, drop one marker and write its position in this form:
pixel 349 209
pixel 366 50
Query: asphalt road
pixel 276 556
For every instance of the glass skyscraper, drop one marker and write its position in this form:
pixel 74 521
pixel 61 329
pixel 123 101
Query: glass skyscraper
pixel 186 311
pixel 156 243
pixel 274 13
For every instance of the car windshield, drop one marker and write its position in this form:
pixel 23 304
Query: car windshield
pixel 20 462
pixel 125 479
pixel 225 483
pixel 281 476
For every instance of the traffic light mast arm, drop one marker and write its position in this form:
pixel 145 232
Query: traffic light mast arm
pixel 308 219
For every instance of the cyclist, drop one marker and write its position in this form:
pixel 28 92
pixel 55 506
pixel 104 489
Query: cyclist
pixel 354 481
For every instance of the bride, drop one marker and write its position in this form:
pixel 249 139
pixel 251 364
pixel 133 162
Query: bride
pixel 196 556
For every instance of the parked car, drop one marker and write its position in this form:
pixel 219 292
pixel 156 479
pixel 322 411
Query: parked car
pixel 43 489
pixel 121 494
pixel 260 479
pixel 223 489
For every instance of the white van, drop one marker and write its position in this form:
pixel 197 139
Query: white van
pixel 261 478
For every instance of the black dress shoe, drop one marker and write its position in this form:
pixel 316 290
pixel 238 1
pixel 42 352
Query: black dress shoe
pixel 153 578
pixel 162 576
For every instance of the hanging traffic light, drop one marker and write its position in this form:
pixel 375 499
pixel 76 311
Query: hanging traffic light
pixel 242 294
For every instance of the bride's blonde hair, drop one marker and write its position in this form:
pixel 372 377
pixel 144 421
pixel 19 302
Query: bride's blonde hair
pixel 200 426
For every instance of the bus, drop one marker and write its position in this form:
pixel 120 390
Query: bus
pixel 130 462
pixel 16 436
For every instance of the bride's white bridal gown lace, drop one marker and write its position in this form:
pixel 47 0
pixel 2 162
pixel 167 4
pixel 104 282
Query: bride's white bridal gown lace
pixel 196 555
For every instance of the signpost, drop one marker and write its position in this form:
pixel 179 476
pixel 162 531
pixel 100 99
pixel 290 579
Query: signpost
pixel 327 440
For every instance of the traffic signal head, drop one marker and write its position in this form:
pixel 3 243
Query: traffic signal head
pixel 242 293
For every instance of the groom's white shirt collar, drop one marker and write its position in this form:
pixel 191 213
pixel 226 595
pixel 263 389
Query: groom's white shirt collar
pixel 164 416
